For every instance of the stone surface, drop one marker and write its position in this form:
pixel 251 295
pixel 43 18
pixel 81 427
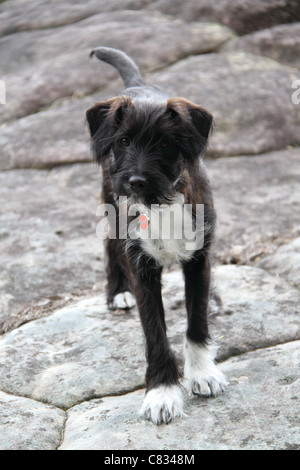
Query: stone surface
pixel 257 89
pixel 70 357
pixel 285 262
pixel 249 96
pixel 243 16
pixel 40 14
pixel 259 411
pixel 72 372
pixel 281 43
pixel 49 250
pixel 29 425
pixel 54 63
pixel 43 142
pixel 258 204
pixel 259 310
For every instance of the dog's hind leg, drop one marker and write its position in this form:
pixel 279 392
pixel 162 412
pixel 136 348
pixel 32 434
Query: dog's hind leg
pixel 202 375
pixel 119 294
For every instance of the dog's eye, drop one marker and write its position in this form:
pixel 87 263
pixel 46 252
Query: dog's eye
pixel 164 143
pixel 125 141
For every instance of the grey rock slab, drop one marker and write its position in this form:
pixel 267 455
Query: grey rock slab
pixel 37 14
pixel 31 48
pixel 285 262
pixel 249 309
pixel 55 136
pixel 257 202
pixel 79 352
pixel 83 351
pixel 49 250
pixel 243 16
pixel 258 411
pixel 54 63
pixel 281 43
pixel 250 97
pixel 258 310
pixel 29 425
pixel 48 138
pixel 48 243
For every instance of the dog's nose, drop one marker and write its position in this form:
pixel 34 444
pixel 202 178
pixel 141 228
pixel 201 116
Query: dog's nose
pixel 137 183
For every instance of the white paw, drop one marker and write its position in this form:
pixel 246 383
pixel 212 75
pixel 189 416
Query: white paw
pixel 124 300
pixel 201 374
pixel 162 404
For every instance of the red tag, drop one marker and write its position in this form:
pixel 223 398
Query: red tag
pixel 143 221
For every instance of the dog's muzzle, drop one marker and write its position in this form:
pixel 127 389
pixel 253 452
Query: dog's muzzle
pixel 138 184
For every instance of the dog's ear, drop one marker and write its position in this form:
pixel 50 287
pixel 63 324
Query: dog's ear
pixel 193 125
pixel 104 120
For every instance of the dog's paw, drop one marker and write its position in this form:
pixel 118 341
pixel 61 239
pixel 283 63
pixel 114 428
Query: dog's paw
pixel 123 300
pixel 162 404
pixel 202 377
pixel 208 386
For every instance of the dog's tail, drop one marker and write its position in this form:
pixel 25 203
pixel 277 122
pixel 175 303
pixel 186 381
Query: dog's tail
pixel 125 66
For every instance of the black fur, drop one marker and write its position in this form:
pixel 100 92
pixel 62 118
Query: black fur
pixel 147 134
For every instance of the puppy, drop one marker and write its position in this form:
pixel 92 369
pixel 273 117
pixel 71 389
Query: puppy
pixel 149 145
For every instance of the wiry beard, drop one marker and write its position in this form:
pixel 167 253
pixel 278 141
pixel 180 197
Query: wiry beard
pixel 156 197
pixel 148 200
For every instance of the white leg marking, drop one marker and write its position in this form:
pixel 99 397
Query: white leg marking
pixel 162 404
pixel 124 300
pixel 203 376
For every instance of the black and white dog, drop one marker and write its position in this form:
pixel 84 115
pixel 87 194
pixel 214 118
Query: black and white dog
pixel 149 145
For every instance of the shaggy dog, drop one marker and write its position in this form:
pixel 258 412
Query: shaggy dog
pixel 149 145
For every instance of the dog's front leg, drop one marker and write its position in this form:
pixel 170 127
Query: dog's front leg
pixel 164 398
pixel 203 377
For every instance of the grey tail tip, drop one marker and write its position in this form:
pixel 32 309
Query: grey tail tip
pixel 126 67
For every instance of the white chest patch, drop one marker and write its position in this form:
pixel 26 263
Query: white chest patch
pixel 168 233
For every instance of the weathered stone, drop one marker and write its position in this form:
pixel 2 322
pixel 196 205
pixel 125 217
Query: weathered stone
pixel 48 244
pixel 249 96
pixel 281 43
pixel 54 63
pixel 257 202
pixel 250 117
pixel 258 411
pixel 49 251
pixel 70 357
pixel 285 262
pixel 246 316
pixel 243 16
pixel 58 135
pixel 258 310
pixel 40 14
pixel 28 425
pixel 50 255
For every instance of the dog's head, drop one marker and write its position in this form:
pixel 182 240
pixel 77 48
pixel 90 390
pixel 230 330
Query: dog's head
pixel 150 144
